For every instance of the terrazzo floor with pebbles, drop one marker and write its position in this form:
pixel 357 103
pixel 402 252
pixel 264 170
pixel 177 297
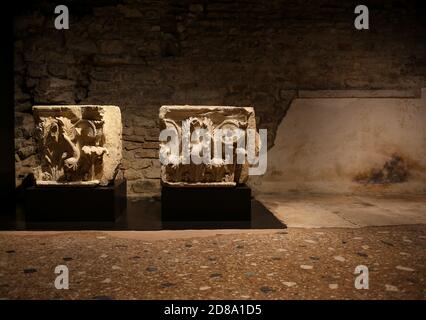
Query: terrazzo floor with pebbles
pixel 290 264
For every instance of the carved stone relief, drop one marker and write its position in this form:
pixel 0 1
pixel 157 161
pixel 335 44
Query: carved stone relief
pixel 215 171
pixel 78 145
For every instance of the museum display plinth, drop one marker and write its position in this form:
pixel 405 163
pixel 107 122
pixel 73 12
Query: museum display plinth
pixel 75 203
pixel 206 203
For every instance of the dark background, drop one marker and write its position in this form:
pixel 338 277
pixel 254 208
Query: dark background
pixel 143 54
pixel 7 157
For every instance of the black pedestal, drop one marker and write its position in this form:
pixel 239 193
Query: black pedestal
pixel 206 204
pixel 72 203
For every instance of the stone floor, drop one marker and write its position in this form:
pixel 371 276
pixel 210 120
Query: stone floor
pixel 314 258
pixel 346 211
pixel 292 264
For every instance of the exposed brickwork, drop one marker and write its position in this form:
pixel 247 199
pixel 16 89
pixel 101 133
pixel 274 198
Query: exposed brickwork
pixel 143 54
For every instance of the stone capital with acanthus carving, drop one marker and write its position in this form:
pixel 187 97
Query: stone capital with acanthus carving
pixel 78 145
pixel 184 121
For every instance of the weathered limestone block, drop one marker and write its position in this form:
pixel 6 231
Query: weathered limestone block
pixel 78 145
pixel 216 171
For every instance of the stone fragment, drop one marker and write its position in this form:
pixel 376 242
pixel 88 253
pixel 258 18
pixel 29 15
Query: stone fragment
pixel 289 284
pixel 391 288
pixel 266 289
pixel 310 241
pixel 339 258
pixel 215 275
pixel 167 284
pixel 362 254
pixel 30 270
pixel 78 145
pixel 151 269
pixel 183 121
pixel 306 267
pixel 405 268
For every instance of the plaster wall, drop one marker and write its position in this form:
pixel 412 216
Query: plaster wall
pixel 349 145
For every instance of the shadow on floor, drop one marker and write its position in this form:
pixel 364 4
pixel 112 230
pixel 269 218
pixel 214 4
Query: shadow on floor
pixel 145 215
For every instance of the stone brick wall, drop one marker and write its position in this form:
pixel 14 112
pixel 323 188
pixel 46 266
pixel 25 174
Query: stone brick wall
pixel 143 54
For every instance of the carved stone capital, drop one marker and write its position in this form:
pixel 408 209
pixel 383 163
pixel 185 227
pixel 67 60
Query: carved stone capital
pixel 78 145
